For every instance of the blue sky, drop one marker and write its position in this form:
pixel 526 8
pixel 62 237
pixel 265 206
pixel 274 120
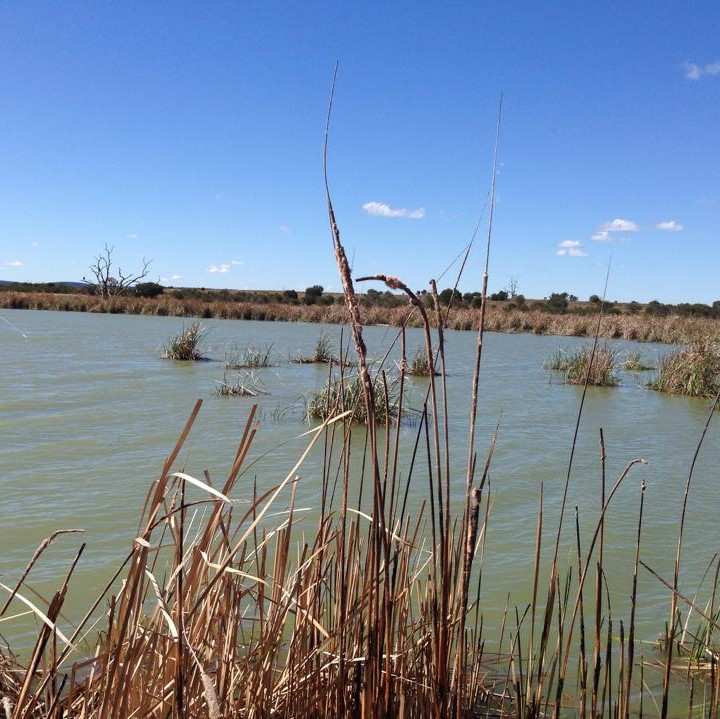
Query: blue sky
pixel 191 133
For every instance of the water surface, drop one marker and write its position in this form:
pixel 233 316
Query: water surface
pixel 89 411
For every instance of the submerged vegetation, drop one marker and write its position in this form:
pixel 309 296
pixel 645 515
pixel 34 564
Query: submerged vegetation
pixel 693 371
pixel 591 364
pixel 185 346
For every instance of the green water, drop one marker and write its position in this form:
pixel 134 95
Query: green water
pixel 89 411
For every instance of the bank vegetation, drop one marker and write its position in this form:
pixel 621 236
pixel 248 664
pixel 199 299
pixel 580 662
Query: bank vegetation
pixel 654 322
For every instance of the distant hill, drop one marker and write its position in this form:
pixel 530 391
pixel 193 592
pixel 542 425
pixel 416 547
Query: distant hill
pixel 43 284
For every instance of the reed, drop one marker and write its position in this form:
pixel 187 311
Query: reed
pixel 185 346
pixel 241 384
pixel 344 395
pixel 420 365
pixel 693 371
pixel 635 363
pixel 322 354
pixel 591 364
pixel 250 357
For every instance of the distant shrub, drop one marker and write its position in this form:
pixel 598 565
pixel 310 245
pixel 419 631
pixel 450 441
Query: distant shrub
pixel 148 289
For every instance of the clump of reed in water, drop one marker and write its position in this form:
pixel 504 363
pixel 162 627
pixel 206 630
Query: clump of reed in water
pixel 250 357
pixel 185 346
pixel 419 365
pixel 322 354
pixel 635 363
pixel 693 371
pixel 597 367
pixel 344 393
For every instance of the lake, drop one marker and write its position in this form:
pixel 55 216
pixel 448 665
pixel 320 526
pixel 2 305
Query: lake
pixel 89 411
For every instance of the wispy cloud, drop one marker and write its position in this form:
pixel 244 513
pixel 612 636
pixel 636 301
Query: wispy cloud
pixel 221 269
pixel 619 225
pixel 602 236
pixel 695 72
pixel 380 209
pixel 669 226
pixel 284 229
pixel 132 236
pixel 172 278
pixel 570 248
pixel 15 263
pixel 236 263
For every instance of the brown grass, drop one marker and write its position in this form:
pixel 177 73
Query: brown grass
pixel 672 329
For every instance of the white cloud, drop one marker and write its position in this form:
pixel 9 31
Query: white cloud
pixel 15 263
pixel 602 236
pixel 222 269
pixel 132 236
pixel 284 229
pixel 570 248
pixel 619 225
pixel 237 263
pixel 380 209
pixel 669 226
pixel 172 278
pixel 695 72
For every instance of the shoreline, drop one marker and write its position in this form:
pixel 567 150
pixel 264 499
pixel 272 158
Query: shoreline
pixel 500 317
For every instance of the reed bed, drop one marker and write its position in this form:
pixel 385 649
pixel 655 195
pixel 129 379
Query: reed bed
pixel 671 329
pixel 693 371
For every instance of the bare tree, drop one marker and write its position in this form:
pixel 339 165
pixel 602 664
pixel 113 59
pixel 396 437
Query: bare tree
pixel 512 287
pixel 107 281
